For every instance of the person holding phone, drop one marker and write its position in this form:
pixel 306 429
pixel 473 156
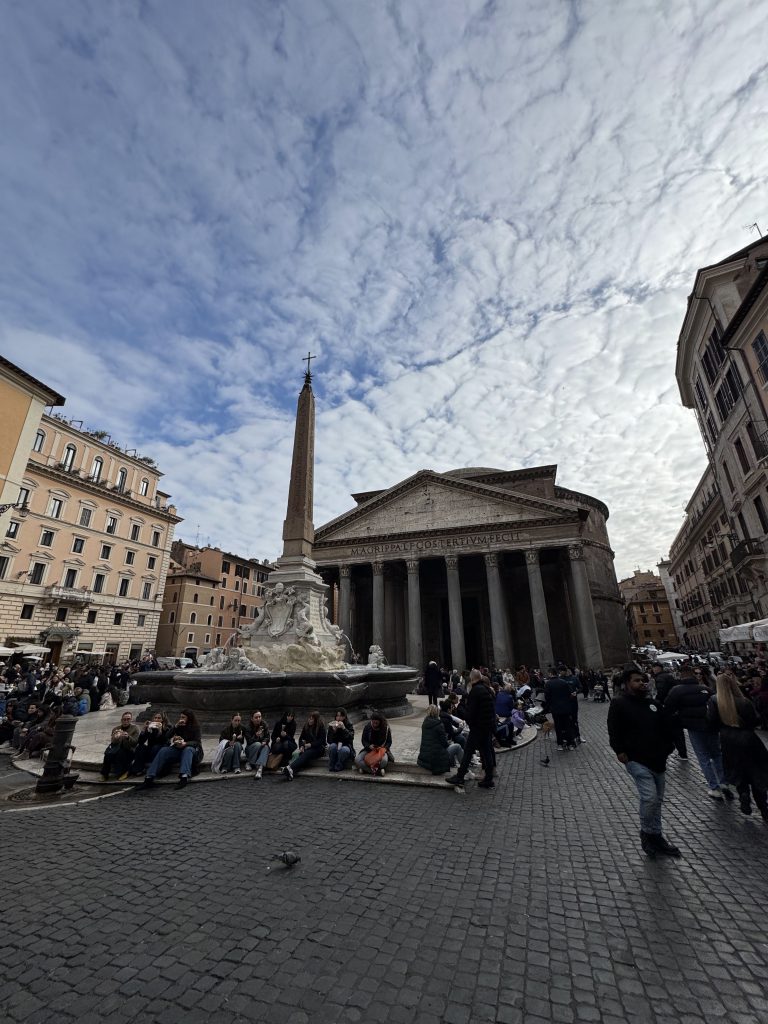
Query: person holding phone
pixel 340 737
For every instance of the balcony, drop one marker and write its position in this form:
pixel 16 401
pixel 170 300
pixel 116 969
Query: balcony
pixel 67 595
pixel 746 549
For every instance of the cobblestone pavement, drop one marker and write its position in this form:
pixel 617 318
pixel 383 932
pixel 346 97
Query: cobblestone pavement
pixel 528 903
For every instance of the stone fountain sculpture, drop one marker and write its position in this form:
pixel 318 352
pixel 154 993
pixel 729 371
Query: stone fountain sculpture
pixel 292 655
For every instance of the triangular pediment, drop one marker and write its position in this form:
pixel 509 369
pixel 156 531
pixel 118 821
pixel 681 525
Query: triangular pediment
pixel 430 501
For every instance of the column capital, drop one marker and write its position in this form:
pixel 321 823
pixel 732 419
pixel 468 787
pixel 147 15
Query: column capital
pixel 575 552
pixel 378 568
pixel 345 570
pixel 452 561
pixel 532 556
pixel 412 564
pixel 491 559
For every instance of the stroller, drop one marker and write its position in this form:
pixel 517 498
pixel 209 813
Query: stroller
pixel 598 693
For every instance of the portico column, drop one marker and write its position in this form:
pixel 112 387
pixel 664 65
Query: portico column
pixel 345 599
pixel 585 613
pixel 390 645
pixel 378 604
pixel 498 614
pixel 455 613
pixel 415 644
pixel 539 609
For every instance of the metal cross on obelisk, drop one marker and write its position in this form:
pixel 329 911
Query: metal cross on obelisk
pixel 308 374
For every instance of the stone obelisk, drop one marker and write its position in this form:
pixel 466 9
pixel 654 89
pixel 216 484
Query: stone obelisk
pixel 295 569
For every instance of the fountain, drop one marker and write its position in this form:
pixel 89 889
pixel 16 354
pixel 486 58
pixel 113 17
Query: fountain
pixel 292 655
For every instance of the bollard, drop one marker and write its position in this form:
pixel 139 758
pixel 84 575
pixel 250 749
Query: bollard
pixel 55 776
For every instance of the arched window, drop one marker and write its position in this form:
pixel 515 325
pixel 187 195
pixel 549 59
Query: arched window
pixel 96 468
pixel 144 489
pixel 172 617
pixel 122 476
pixel 39 441
pixel 69 457
pixel 193 618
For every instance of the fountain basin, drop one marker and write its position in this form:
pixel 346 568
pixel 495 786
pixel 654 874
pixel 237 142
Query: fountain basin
pixel 216 696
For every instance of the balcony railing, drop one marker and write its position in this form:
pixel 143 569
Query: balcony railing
pixel 748 548
pixel 68 595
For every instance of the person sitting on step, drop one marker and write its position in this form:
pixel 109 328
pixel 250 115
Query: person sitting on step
pixel 233 735
pixel 340 737
pixel 257 744
pixel 283 742
pixel 377 742
pixel 154 735
pixel 436 754
pixel 119 754
pixel 311 746
pixel 184 749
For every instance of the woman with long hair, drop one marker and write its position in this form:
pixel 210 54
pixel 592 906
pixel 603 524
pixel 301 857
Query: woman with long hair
pixel 341 737
pixel 745 759
pixel 185 749
pixel 154 735
pixel 436 753
pixel 283 742
pixel 311 745
pixel 377 740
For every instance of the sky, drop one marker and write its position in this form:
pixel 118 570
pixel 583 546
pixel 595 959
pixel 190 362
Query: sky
pixel 482 218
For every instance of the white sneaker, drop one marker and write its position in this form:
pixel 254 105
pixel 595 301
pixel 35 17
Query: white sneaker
pixel 238 772
pixel 470 776
pixel 288 773
pixel 258 772
pixel 381 771
pixel 715 794
pixel 248 766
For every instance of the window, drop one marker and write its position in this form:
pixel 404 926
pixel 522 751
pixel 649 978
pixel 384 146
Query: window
pixel 657 618
pixel 224 582
pixel 220 623
pixel 155 538
pixel 237 584
pixel 56 506
pixel 90 618
pixel 714 356
pixel 728 479
pixel 13 529
pixel 210 620
pixel 4 563
pixel 190 638
pixel 728 393
pixel 111 524
pixel 711 428
pixel 144 488
pixel 98 583
pixel 146 591
pixel 122 476
pixel 46 538
pixel 193 618
pixel 27 610
pixel 135 531
pixel 218 639
pixel 69 457
pixel 130 557
pixel 78 543
pixel 233 623
pixel 221 602
pixel 141 620
pixel 757 441
pixel 760 348
pixel 39 441
pixel 242 609
pixel 36 573
pixel 70 578
pixel 96 469
pixel 172 617
pixel 211 602
pixel 194 598
pixel 151 561
pixel 760 509
pixel 106 551
pixel 23 498
pixel 207 638
pixel 225 567
pixel 118 620
pixel 743 460
pixel 61 614
pixel 122 590
pixel 85 516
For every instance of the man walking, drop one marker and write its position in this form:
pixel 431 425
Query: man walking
pixel 559 701
pixel 639 734
pixel 481 719
pixel 433 682
pixel 686 708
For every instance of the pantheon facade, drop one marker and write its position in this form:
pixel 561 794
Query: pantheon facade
pixel 476 567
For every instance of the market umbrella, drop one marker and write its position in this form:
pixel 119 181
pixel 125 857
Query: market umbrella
pixel 31 649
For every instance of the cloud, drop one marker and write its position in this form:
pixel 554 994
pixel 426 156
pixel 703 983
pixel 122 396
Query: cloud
pixel 483 221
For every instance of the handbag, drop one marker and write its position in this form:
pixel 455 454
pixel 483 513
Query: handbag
pixel 273 762
pixel 374 757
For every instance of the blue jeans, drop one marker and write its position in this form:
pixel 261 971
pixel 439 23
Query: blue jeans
pixel 338 755
pixel 706 747
pixel 256 754
pixel 183 756
pixel 360 760
pixel 650 786
pixel 231 759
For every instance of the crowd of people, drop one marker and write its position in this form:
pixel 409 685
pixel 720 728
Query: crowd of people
pixel 653 712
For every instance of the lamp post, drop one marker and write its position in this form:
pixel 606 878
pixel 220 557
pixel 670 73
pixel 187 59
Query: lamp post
pixel 22 507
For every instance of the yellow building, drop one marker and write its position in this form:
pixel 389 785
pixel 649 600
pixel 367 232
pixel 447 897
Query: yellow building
pixel 209 595
pixel 86 550
pixel 649 617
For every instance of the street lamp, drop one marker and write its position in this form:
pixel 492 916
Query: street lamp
pixel 22 507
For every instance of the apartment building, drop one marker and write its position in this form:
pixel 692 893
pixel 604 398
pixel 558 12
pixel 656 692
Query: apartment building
pixel 209 595
pixel 719 559
pixel 649 618
pixel 86 545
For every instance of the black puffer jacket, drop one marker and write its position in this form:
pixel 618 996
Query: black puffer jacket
pixel 481 712
pixel 686 703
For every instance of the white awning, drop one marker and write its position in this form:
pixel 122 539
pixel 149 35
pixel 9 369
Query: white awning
pixel 757 630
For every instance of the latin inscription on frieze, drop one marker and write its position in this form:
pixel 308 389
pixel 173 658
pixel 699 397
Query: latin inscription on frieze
pixel 435 545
